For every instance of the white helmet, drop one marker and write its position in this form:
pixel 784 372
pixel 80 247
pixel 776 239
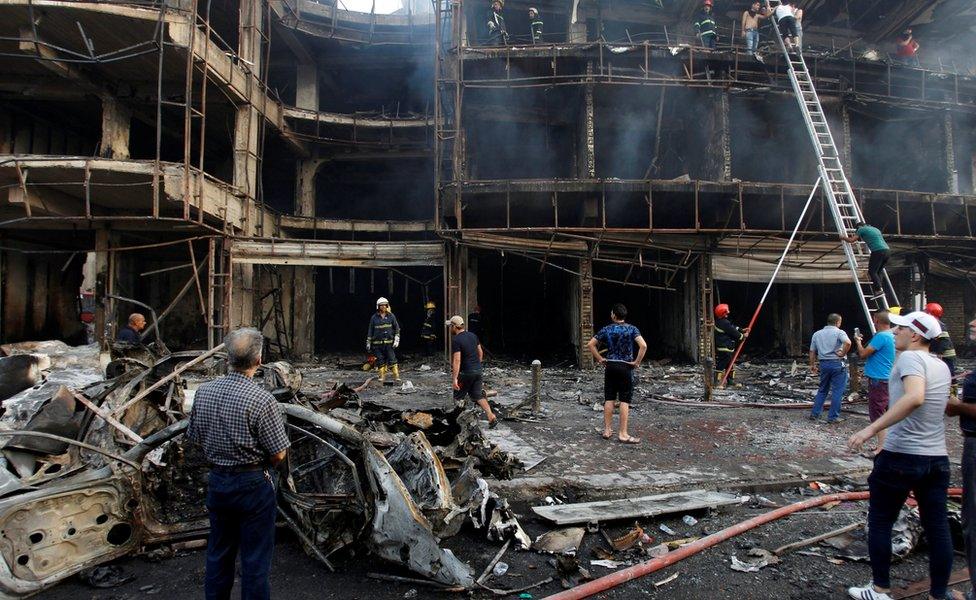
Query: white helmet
pixel 382 300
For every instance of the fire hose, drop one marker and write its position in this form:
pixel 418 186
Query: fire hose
pixel 656 564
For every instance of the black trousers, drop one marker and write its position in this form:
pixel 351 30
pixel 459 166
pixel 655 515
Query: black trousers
pixel 722 362
pixel 876 264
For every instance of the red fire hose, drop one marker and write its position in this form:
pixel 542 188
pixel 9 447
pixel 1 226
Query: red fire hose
pixel 656 564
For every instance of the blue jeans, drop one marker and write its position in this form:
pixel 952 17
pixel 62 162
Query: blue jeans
pixel 752 40
pixel 895 475
pixel 833 379
pixel 242 517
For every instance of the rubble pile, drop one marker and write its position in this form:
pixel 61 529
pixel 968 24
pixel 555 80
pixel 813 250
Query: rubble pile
pixel 94 468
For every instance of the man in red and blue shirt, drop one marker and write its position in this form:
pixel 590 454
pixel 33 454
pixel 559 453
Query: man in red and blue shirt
pixel 618 384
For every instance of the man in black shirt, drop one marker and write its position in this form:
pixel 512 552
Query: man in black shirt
pixel 466 357
pixel 966 410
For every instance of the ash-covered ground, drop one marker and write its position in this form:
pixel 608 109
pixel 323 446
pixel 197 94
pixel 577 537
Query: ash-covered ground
pixel 754 440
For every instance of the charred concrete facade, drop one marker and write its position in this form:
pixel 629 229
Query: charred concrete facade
pixel 282 163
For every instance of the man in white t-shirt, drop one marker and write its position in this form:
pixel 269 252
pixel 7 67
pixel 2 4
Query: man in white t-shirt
pixel 914 458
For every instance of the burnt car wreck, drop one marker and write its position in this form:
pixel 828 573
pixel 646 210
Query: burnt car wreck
pixel 92 469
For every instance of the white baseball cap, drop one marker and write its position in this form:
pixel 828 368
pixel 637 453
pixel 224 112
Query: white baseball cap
pixel 920 322
pixel 456 321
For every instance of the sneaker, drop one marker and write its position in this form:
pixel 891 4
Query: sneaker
pixel 813 417
pixel 837 420
pixel 866 593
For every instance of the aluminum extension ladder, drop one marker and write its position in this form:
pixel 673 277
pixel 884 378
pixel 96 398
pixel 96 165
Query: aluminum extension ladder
pixel 840 196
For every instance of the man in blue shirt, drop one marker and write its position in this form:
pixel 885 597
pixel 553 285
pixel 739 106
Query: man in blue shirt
pixel 880 355
pixel 130 334
pixel 618 383
pixel 828 358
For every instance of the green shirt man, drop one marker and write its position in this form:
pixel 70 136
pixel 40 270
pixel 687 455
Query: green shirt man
pixel 880 253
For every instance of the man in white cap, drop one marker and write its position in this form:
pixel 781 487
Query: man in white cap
pixel 466 372
pixel 914 457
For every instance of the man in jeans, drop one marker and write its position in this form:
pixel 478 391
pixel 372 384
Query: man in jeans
pixel 914 458
pixel 750 27
pixel 966 410
pixel 828 357
pixel 880 356
pixel 242 432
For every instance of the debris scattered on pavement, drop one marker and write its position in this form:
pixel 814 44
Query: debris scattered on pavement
pixel 631 508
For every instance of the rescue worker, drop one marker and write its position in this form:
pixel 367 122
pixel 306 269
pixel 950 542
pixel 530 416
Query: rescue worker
pixel 727 336
pixel 705 26
pixel 535 25
pixel 942 346
pixel 382 338
pixel 427 332
pixel 497 33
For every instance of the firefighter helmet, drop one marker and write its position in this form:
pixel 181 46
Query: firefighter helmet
pixel 430 305
pixel 895 310
pixel 934 309
pixel 722 311
pixel 381 300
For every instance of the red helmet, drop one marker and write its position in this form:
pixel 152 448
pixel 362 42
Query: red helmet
pixel 722 311
pixel 707 3
pixel 934 309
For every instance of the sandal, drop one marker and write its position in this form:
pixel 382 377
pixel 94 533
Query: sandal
pixel 493 423
pixel 604 434
pixel 629 440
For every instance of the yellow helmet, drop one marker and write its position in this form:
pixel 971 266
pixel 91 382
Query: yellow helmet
pixel 430 305
pixel 895 310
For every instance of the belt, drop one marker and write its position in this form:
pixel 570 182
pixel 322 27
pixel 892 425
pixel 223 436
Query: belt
pixel 249 468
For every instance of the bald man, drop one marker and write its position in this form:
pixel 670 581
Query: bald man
pixel 130 333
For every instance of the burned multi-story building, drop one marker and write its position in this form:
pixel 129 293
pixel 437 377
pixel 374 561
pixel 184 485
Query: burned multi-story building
pixel 283 163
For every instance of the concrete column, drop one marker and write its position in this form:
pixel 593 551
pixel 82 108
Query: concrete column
pixel 303 303
pixel 470 289
pixel 846 143
pixel 307 87
pixel 718 162
pixel 586 151
pixel 952 174
pixel 585 301
pixel 248 122
pixel 706 302
pixel 116 122
pixel 103 285
pixel 242 296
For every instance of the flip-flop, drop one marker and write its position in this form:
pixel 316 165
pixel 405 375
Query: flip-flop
pixel 493 423
pixel 629 440
pixel 604 434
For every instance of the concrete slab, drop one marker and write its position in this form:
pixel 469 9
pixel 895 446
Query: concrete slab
pixel 633 508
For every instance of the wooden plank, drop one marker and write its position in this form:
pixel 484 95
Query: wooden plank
pixel 921 588
pixel 630 508
pixel 106 415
